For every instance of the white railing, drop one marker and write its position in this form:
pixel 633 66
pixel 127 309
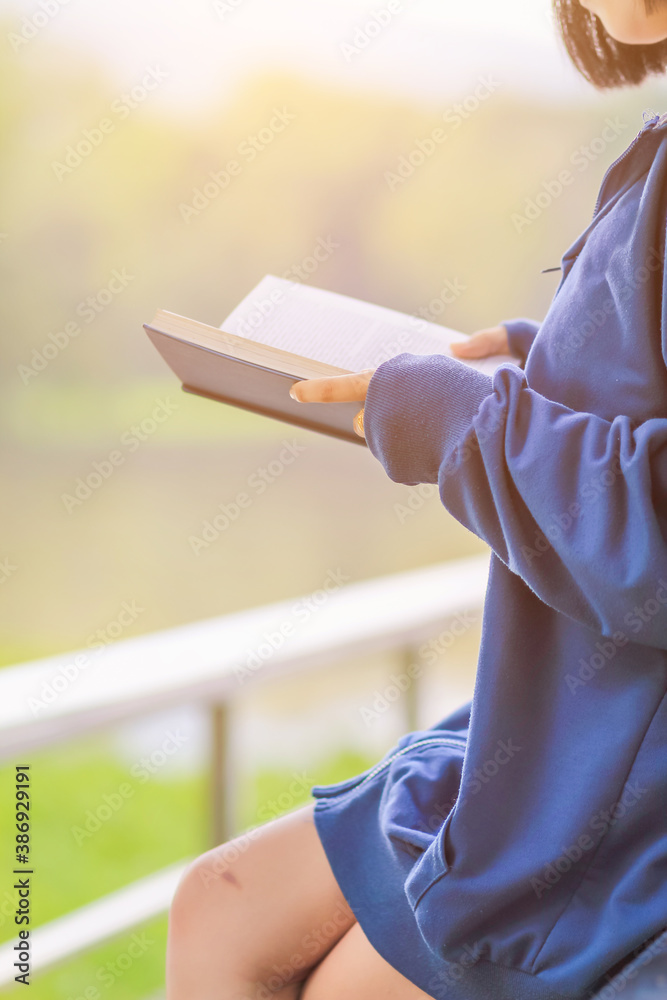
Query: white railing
pixel 50 701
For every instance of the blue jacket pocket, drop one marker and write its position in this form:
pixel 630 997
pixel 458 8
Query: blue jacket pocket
pixel 431 866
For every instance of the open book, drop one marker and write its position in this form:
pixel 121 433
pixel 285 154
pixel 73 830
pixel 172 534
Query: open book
pixel 284 331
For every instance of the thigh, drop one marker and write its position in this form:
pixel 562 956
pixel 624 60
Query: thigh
pixel 259 910
pixel 353 969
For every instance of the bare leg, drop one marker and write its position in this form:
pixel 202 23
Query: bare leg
pixel 355 971
pixel 251 917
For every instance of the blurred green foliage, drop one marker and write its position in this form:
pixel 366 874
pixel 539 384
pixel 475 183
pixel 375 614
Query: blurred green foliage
pixel 64 232
pixel 62 237
pixel 164 821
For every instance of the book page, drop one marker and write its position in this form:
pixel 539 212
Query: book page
pixel 337 329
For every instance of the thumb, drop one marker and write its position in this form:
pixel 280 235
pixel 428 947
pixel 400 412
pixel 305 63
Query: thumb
pixel 460 346
pixel 473 347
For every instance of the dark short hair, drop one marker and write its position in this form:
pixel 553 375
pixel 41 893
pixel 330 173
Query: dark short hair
pixel 602 60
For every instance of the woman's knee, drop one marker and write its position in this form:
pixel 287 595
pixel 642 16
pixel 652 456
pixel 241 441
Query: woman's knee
pixel 265 895
pixel 204 885
pixel 209 904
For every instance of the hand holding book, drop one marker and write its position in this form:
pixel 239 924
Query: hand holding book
pixel 491 340
pixel 285 333
pixel 353 388
pixel 336 389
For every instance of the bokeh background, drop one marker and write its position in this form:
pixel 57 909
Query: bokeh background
pixel 184 86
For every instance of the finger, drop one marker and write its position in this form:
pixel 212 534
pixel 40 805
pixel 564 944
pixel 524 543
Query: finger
pixel 472 348
pixel 332 388
pixel 358 423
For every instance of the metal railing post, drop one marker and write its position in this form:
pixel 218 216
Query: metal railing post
pixel 195 665
pixel 411 694
pixel 222 791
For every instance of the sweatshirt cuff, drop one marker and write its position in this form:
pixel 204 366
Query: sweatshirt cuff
pixel 418 409
pixel 521 333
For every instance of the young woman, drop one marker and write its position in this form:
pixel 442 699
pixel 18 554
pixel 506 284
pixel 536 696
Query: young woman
pixel 517 850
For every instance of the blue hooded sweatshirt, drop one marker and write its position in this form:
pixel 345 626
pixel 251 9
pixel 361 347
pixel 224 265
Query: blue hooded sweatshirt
pixel 517 850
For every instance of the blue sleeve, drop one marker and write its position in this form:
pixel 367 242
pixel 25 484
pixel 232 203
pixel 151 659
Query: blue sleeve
pixel 520 335
pixel 574 504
